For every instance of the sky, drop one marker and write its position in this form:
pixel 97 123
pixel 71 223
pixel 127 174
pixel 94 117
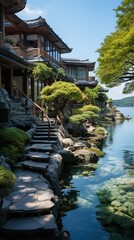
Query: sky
pixel 81 24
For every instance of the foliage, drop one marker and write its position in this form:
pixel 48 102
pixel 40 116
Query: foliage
pixel 116 54
pixel 59 93
pixel 125 102
pixel 7 180
pixel 110 100
pixel 12 141
pixel 84 117
pixel 43 72
pixel 90 107
pixel 92 95
pixel 100 131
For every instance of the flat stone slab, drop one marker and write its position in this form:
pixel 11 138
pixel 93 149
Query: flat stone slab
pixel 52 137
pixel 46 133
pixel 31 194
pixel 37 156
pixel 46 222
pixel 40 147
pixel 37 166
pixel 31 206
pixel 41 141
pixel 45 130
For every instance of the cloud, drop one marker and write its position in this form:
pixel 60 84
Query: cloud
pixel 32 12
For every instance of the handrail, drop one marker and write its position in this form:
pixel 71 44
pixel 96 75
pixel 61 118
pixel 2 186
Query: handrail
pixel 36 105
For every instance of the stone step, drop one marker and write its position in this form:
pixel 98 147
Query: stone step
pixel 40 147
pixel 44 137
pixel 37 156
pixel 37 133
pixel 28 224
pixel 30 195
pixel 44 123
pixel 53 130
pixel 40 141
pixel 30 207
pixel 39 167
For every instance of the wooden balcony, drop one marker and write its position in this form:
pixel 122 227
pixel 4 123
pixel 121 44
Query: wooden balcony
pixel 20 52
pixel 35 52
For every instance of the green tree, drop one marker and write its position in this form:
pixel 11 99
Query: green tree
pixel 60 93
pixel 42 72
pixel 116 54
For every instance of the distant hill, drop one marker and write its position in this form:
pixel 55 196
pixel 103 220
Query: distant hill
pixel 124 102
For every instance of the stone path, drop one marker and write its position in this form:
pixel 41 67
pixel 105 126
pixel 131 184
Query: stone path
pixel 31 204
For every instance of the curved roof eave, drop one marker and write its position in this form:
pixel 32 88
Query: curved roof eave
pixel 41 22
pixel 13 6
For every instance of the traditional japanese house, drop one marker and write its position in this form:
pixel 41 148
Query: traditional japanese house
pixel 35 41
pixel 80 70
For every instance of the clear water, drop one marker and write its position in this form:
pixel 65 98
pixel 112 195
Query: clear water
pixel 79 218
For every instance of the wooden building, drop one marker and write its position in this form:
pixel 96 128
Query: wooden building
pixel 80 70
pixel 34 41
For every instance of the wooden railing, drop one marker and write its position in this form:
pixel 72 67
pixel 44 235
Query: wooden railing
pixel 35 52
pixel 35 105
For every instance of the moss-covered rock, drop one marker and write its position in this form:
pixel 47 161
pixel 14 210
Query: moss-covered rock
pixel 97 151
pixel 7 180
pixel 12 142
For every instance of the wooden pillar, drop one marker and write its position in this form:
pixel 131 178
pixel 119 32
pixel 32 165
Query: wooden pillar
pixel 25 83
pixel 0 78
pixel 12 81
pixel 2 20
pixel 32 89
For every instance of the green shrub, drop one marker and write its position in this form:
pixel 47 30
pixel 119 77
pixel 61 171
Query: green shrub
pixel 87 108
pixel 100 131
pixel 7 180
pixel 85 116
pixel 12 141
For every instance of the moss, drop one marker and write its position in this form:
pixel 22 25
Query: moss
pixel 12 141
pixel 7 180
pixel 97 151
pixel 100 131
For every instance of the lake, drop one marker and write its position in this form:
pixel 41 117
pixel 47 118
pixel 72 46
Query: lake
pixel 80 197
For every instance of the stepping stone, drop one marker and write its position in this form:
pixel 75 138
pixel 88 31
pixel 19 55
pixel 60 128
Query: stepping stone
pixel 37 156
pixel 40 141
pixel 44 137
pixel 45 133
pixel 45 130
pixel 45 127
pixel 31 206
pixel 46 222
pixel 40 147
pixel 36 166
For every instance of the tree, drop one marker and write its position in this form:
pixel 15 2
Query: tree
pixel 59 93
pixel 44 73
pixel 116 54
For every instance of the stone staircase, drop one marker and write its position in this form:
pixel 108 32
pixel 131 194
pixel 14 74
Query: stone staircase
pixel 32 205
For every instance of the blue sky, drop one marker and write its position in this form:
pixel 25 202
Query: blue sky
pixel 82 25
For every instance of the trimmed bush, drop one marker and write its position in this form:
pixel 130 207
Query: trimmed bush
pixel 85 116
pixel 12 142
pixel 100 131
pixel 7 180
pixel 87 108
